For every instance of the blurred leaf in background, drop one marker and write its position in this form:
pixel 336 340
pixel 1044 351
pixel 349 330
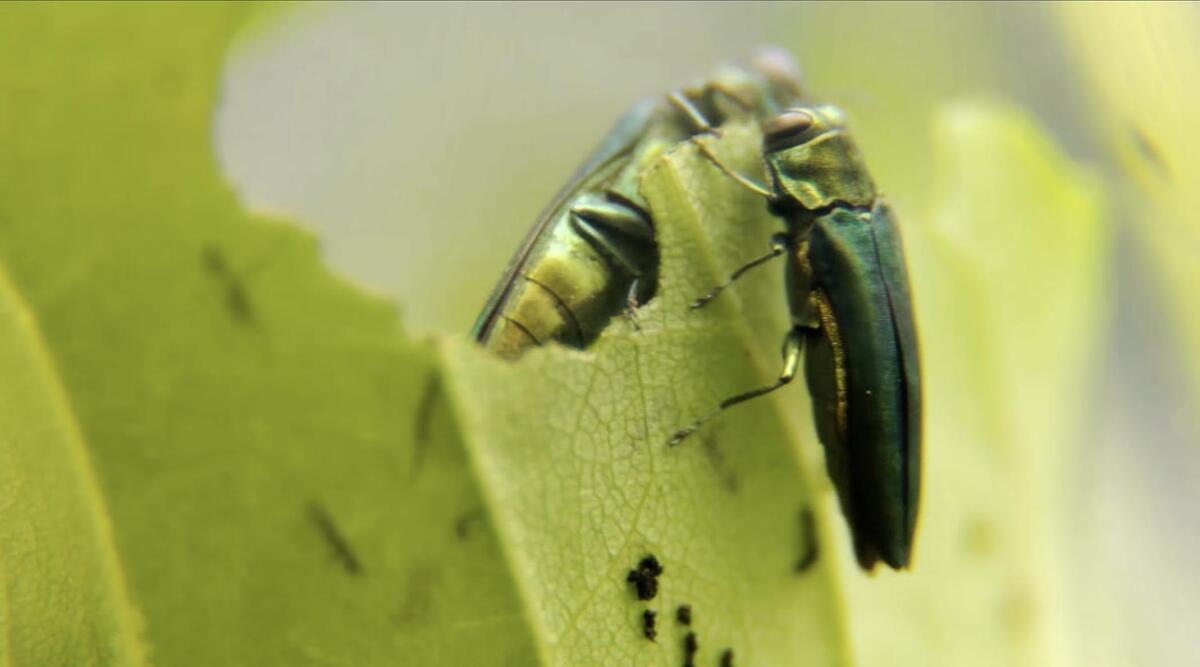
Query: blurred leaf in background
pixel 1016 233
pixel 1141 64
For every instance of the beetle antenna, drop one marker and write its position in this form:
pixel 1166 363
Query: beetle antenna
pixel 685 106
pixel 744 181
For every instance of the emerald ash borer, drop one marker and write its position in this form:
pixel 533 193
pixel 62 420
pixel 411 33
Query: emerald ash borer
pixel 852 317
pixel 593 253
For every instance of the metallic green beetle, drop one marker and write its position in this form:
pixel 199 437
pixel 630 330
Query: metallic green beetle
pixel 593 251
pixel 848 293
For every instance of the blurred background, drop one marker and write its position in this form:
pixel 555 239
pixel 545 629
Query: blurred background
pixel 420 141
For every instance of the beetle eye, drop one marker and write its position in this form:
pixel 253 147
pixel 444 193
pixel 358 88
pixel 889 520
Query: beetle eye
pixel 787 126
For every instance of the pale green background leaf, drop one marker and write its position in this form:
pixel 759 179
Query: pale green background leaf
pixel 1141 64
pixel 1007 354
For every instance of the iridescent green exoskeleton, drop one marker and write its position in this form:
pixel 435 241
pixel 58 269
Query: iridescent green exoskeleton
pixel 852 315
pixel 593 251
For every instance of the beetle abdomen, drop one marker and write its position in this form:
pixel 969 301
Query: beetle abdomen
pixel 570 290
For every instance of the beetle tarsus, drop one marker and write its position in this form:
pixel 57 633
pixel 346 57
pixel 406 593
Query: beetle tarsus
pixel 792 347
pixel 684 433
pixel 631 304
pixel 685 106
pixel 703 299
pixel 778 248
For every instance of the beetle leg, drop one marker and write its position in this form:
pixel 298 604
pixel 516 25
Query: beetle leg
pixel 703 127
pixel 744 181
pixel 779 246
pixel 685 106
pixel 631 303
pixel 621 233
pixel 793 343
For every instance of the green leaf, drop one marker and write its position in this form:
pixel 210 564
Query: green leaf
pixel 214 452
pixel 244 412
pixel 571 446
pixel 571 449
pixel 52 520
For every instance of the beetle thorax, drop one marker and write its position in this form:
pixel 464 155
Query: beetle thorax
pixel 819 173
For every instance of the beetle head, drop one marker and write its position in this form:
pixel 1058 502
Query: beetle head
pixel 763 86
pixel 812 160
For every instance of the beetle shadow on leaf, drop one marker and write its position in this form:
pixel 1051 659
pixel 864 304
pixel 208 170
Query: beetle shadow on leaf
pixel 809 546
pixel 719 463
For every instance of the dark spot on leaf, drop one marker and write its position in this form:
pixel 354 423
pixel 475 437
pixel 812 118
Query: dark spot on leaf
pixel 1018 610
pixel 727 658
pixel 214 261
pixel 417 605
pixel 463 524
pixel 239 305
pixel 1149 151
pixel 683 615
pixel 648 624
pixel 644 579
pixel 810 548
pixel 337 542
pixel 690 647
pixel 424 420
pixel 650 564
pixel 236 300
pixel 979 536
